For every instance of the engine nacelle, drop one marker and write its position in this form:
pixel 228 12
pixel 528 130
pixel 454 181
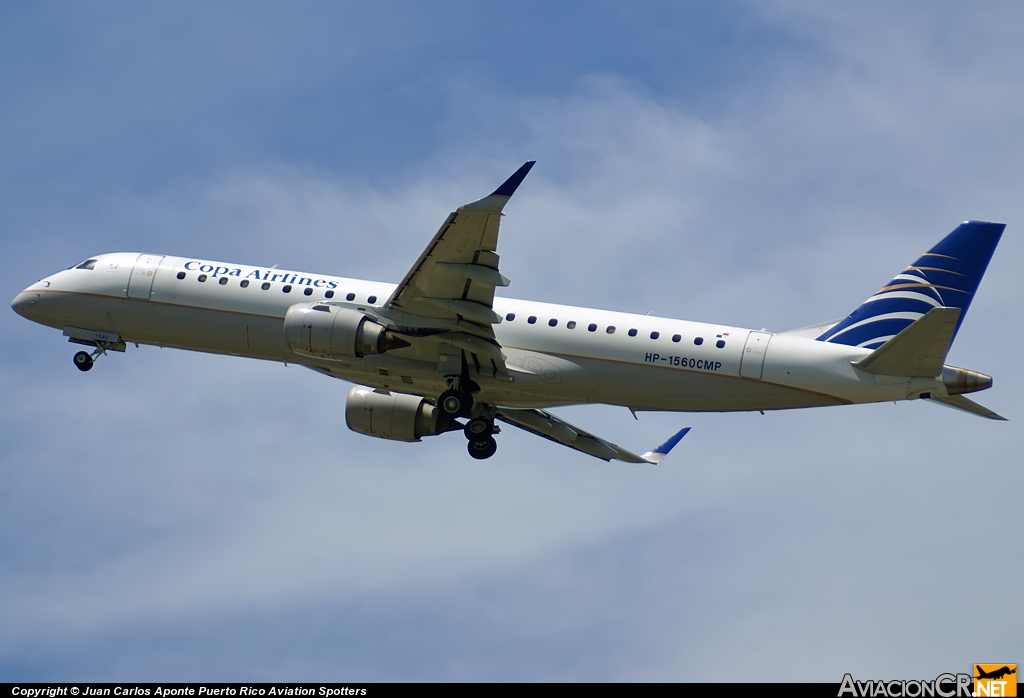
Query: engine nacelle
pixel 329 332
pixel 394 416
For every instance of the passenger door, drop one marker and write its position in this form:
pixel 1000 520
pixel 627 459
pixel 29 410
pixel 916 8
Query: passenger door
pixel 140 285
pixel 752 362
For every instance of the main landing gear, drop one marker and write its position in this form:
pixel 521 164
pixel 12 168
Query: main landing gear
pixel 482 450
pixel 455 403
pixel 479 430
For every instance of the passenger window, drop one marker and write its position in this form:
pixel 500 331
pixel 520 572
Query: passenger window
pixel 350 297
pixel 223 280
pixel 87 264
pixel 571 324
pixel 632 332
pixel 611 329
pixel 532 319
pixel 371 300
pixel 202 277
pixel 698 340
pixel 265 286
pixel 308 292
pixel 510 317
pixel 181 275
pixel 591 327
pixel 655 334
pixel 244 283
pixel 676 338
pixel 329 294
pixel 552 322
pixel 720 344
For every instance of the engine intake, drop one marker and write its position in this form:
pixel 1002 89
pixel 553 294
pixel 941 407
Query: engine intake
pixel 394 416
pixel 329 332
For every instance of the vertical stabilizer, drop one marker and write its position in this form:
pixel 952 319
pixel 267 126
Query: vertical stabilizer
pixel 946 276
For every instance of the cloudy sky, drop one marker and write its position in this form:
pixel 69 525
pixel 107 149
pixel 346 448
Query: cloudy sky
pixel 177 516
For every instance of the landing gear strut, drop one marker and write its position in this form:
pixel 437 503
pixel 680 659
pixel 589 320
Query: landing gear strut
pixel 83 362
pixel 458 401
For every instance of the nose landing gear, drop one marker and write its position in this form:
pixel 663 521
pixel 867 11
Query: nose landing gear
pixel 83 362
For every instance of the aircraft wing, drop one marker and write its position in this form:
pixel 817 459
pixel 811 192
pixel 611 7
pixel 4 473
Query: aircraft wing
pixel 451 285
pixel 544 424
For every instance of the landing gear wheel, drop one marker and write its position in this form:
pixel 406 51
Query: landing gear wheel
pixel 482 450
pixel 455 403
pixel 478 428
pixel 83 362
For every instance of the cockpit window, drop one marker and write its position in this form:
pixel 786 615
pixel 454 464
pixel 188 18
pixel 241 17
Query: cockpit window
pixel 87 264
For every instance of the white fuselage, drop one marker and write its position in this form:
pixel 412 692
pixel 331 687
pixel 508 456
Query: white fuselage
pixel 567 355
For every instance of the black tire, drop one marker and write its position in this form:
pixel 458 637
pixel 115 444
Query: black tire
pixel 478 429
pixel 455 403
pixel 83 362
pixel 482 450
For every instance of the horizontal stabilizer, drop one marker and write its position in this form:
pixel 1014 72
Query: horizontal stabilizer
pixel 919 350
pixel 959 402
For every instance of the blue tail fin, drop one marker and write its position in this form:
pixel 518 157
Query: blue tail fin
pixel 947 275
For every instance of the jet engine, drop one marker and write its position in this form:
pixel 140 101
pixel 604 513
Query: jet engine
pixel 329 332
pixel 394 416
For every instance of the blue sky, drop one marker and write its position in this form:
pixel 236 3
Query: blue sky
pixel 175 516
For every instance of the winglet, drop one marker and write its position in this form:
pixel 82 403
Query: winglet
pixel 654 457
pixel 508 188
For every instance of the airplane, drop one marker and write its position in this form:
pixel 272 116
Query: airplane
pixel 996 674
pixel 440 352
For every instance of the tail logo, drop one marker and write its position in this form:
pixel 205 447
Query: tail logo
pixel 946 276
pixel 895 306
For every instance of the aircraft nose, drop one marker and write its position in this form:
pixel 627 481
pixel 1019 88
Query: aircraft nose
pixel 23 302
